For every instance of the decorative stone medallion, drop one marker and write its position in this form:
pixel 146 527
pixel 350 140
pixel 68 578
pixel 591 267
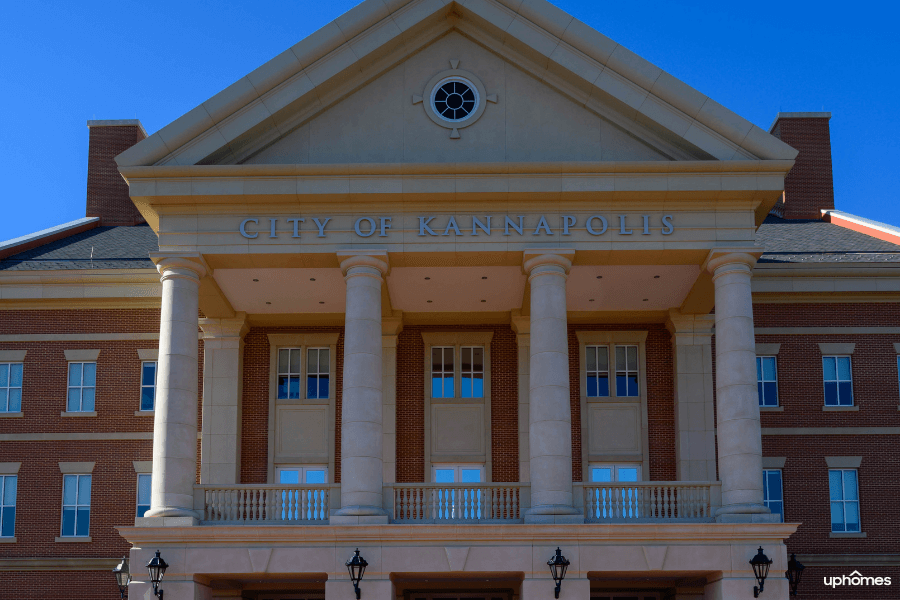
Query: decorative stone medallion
pixel 454 99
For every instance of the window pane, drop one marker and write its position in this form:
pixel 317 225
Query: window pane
pixel 148 373
pixel 591 386
pixel 850 489
pixel 312 361
pixel 591 358
pixel 769 368
pixel 436 387
pixel 478 359
pixel 478 386
pixel 84 489
pixel 142 509
pixel 777 508
pixel 632 358
pixel 448 387
pixel 294 389
pixel 828 368
pixel 621 385
pixel 288 476
pixel 448 359
pixel 837 516
pixel 759 393
pixel 601 474
pixel 144 489
pixel 312 387
pixel 603 386
pixel 315 476
pixel 758 369
pixel 8 524
pixel 69 489
pixel 436 360
pixel 834 485
pixel 771 395
pixel 3 404
pixel 773 479
pixel 470 475
pixel 843 364
pixel 68 522
pixel 324 360
pixel 831 398
pixel 283 360
pixel 603 358
pixel 466 359
pixel 147 398
pixel 90 374
pixel 4 375
pixel 323 386
pixel 15 375
pixel 282 386
pixel 87 399
pixel 632 385
pixel 620 357
pixel 851 514
pixel 627 474
pixel 444 475
pixel 82 522
pixel 9 490
pixel 466 386
pixel 74 403
pixel 845 393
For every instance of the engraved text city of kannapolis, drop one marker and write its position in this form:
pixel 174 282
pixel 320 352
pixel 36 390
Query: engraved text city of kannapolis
pixel 272 227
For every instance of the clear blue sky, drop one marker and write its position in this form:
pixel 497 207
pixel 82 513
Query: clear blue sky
pixel 62 63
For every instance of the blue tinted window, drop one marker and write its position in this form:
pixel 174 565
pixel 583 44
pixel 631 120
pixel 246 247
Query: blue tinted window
pixel 76 515
pixel 8 485
pixel 767 381
pixel 148 385
pixel 10 387
pixel 837 380
pixel 627 371
pixel 772 492
pixel 843 490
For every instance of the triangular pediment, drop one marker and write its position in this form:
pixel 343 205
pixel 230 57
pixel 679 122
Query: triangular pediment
pixel 555 91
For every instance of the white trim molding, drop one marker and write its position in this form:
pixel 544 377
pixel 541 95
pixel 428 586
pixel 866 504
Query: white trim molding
pixel 148 354
pixel 142 466
pixel 12 355
pixel 81 355
pixel 773 462
pixel 767 349
pixel 76 467
pixel 9 468
pixel 837 349
pixel 843 462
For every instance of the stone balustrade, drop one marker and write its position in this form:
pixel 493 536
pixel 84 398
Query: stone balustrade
pixel 644 501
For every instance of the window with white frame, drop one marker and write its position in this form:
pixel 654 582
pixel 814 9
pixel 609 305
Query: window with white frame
pixel 8 485
pixel 318 372
pixel 767 380
pixel 838 380
pixel 843 491
pixel 626 371
pixel 303 505
pixel 76 513
pixel 442 372
pixel 614 500
pixel 471 372
pixel 82 386
pixel 898 369
pixel 458 502
pixel 10 387
pixel 148 384
pixel 143 493
pixel 289 364
pixel 597 369
pixel 464 473
pixel 773 494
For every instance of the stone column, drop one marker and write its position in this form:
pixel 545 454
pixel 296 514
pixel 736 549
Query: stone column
pixel 550 415
pixel 739 436
pixel 223 377
pixel 175 418
pixel 695 431
pixel 361 411
pixel 522 325
pixel 390 330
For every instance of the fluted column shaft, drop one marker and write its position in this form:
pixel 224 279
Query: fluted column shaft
pixel 737 415
pixel 550 417
pixel 175 412
pixel 361 411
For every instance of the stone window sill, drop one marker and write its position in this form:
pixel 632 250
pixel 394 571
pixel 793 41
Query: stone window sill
pixel 8 540
pixel 74 540
pixel 143 413
pixel 92 413
pixel 854 408
pixel 771 409
pixel 843 534
pixel 11 415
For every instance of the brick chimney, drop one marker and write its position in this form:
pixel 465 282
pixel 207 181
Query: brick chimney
pixel 809 187
pixel 107 192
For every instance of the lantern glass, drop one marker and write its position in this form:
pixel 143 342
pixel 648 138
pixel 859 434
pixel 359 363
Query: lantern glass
pixel 793 574
pixel 123 575
pixel 558 565
pixel 157 569
pixel 760 564
pixel 357 567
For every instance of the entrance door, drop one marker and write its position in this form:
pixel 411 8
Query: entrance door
pixel 472 595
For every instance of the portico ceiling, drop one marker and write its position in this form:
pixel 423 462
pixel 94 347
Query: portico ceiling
pixel 458 289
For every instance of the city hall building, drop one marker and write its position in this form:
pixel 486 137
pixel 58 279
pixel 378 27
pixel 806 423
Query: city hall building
pixel 453 284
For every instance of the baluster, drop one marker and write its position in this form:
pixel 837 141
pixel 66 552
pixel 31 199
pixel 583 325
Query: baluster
pixel 670 502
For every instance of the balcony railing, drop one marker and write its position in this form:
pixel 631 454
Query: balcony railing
pixel 459 502
pixel 266 504
pixel 650 501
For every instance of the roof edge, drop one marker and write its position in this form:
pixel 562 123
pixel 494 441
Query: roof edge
pixel 799 115
pixel 45 236
pixel 118 123
pixel 875 229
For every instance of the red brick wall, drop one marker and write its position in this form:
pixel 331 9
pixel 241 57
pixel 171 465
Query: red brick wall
pixel 118 320
pixel 66 585
pixel 809 186
pixel 107 192
pixel 827 314
pixel 255 412
pixel 660 392
pixel 411 408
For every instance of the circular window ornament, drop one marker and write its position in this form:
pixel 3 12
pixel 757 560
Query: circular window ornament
pixel 454 99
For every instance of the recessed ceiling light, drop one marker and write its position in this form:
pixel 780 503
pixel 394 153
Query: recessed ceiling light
pixel 268 303
pixel 321 303
pixel 484 277
pixel 484 300
pixel 256 280
pixel 428 301
pixel 427 278
pixel 591 300
pixel 312 278
pixel 656 277
pixel 599 276
pixel 645 299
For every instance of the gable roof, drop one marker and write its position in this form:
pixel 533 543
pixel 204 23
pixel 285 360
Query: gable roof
pixel 107 247
pixel 321 69
pixel 811 241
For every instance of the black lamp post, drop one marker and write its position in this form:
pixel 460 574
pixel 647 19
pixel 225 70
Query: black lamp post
pixel 157 568
pixel 760 564
pixel 357 568
pixel 123 576
pixel 793 573
pixel 558 565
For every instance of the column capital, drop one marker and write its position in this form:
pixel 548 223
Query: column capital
pixel 170 264
pixel 719 257
pixel 550 257
pixel 374 259
pixel 225 328
pixel 690 329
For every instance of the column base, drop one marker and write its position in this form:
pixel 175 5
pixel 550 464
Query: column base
pixel 745 513
pixel 358 520
pixel 553 513
pixel 166 521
